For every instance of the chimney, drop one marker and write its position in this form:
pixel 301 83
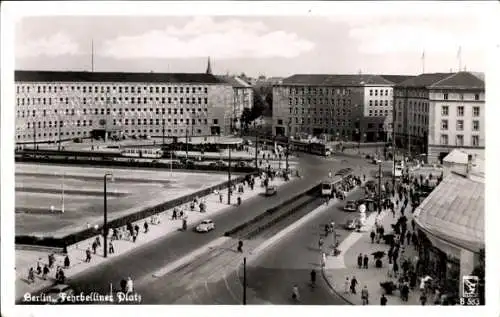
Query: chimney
pixel 469 164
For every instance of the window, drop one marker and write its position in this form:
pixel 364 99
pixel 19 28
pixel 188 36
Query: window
pixel 475 140
pixel 460 140
pixel 475 125
pixel 445 96
pixel 460 125
pixel 370 113
pixel 476 97
pixel 444 124
pixel 444 110
pixel 475 111
pixel 371 92
pixel 444 139
pixel 371 103
pixel 460 111
pixel 376 92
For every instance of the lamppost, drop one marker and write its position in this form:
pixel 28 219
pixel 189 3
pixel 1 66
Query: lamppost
pixel 105 226
pixel 379 187
pixel 62 191
pixel 245 280
pixel 256 145
pixel 229 177
pixel 288 145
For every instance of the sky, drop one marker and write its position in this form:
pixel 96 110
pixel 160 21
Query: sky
pixel 326 38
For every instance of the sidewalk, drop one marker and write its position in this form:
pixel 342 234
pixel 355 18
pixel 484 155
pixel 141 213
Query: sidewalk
pixel 27 258
pixel 345 265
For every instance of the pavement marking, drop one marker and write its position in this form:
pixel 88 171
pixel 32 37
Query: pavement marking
pixel 189 257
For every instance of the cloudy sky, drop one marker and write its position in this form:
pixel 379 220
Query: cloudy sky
pixel 326 38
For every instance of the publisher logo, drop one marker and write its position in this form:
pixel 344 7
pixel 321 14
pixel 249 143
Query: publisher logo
pixel 470 286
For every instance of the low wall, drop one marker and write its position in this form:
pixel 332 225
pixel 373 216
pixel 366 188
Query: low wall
pixel 272 210
pixel 144 213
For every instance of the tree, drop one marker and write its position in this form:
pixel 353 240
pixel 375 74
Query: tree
pixel 259 106
pixel 246 118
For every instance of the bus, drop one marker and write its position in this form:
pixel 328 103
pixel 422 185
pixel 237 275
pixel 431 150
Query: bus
pixel 398 169
pixel 326 188
pixel 143 152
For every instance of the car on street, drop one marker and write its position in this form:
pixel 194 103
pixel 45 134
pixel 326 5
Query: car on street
pixel 350 224
pixel 351 206
pixel 271 190
pixel 56 293
pixel 205 226
pixel 219 163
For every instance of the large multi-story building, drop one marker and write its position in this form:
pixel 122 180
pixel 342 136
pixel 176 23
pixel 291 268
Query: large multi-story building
pixel 344 107
pixel 435 113
pixel 66 105
pixel 243 98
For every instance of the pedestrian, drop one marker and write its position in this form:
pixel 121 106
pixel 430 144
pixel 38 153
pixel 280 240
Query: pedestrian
pixel 354 282
pixel 346 285
pixel 45 271
pixel 395 268
pixel 89 256
pixel 320 243
pixel 123 285
pixel 66 261
pixel 136 227
pixel 134 236
pixel 372 236
pixel 383 300
pixel 146 227
pixel 130 286
pixel 413 224
pixel 408 237
pixel 364 295
pixel 240 246
pixel 31 275
pixel 94 246
pixel 423 298
pixel 52 259
pixel 111 248
pixel 98 241
pixel 365 261
pixel 360 260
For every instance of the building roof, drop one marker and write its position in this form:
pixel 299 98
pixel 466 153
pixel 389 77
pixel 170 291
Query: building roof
pixel 454 212
pixel 70 76
pixel 336 80
pixel 234 81
pixel 464 80
pixel 397 78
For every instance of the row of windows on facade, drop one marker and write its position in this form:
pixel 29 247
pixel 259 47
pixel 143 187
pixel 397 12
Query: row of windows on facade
pixel 459 140
pixel 417 117
pixel 413 129
pixel 460 125
pixel 418 106
pixel 320 101
pixel 318 121
pixel 114 89
pixel 423 94
pixel 83 123
pixel 319 90
pixel 115 100
pixel 72 112
pixel 445 111
pixel 375 113
pixel 339 133
pixel 314 111
pixel 376 103
pixel 383 92
pixel 85 133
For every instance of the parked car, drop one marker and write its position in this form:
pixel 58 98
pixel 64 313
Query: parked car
pixel 351 206
pixel 205 226
pixel 350 224
pixel 271 190
pixel 54 293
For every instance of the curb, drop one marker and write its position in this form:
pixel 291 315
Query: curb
pixel 333 289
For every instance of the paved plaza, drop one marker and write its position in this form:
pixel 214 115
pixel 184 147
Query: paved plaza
pixel 39 199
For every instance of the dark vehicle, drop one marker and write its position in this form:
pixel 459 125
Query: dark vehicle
pixel 350 224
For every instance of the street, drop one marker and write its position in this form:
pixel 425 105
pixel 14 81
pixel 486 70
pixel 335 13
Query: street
pixel 141 262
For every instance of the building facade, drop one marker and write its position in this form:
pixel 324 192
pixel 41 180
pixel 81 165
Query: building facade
pixel 344 107
pixel 243 98
pixel 67 105
pixel 436 113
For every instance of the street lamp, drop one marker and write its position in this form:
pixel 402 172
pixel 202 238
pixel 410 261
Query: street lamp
pixel 105 227
pixel 245 280
pixel 256 144
pixel 229 177
pixel 288 145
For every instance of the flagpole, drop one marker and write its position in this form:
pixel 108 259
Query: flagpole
pixel 92 58
pixel 459 58
pixel 423 62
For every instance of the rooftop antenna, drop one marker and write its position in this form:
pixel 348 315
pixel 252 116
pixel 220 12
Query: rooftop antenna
pixel 459 56
pixel 423 62
pixel 92 55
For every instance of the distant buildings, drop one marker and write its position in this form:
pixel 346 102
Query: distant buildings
pixel 66 105
pixel 344 107
pixel 243 98
pixel 435 113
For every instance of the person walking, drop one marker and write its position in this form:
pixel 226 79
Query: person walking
pixel 365 261
pixel 130 286
pixel 45 271
pixel 88 255
pixel 383 300
pixel 38 268
pixel 372 236
pixel 146 227
pixel 320 243
pixel 313 278
pixel 134 236
pixel 354 282
pixel 346 285
pixel 66 262
pixel 94 246
pixel 111 248
pixel 31 276
pixel 98 241
pixel 364 295
pixel 360 261
pixel 423 298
